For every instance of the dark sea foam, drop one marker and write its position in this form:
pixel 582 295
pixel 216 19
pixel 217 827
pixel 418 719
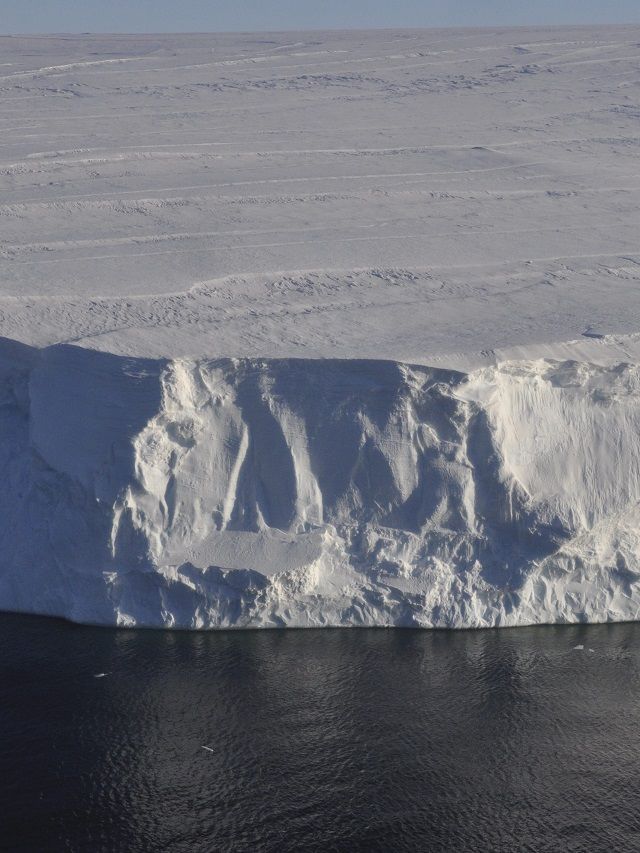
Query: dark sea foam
pixel 354 740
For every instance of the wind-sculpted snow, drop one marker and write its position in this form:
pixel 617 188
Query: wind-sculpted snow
pixel 238 492
pixel 409 195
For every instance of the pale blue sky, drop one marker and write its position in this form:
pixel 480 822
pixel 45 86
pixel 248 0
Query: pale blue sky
pixel 18 16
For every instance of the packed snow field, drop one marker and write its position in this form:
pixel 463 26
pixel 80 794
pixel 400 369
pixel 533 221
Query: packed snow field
pixel 321 328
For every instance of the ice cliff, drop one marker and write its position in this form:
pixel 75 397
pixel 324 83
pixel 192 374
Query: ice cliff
pixel 234 493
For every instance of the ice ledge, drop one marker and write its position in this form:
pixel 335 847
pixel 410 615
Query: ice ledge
pixel 203 493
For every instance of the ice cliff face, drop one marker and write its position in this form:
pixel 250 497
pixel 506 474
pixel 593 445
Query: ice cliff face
pixel 223 493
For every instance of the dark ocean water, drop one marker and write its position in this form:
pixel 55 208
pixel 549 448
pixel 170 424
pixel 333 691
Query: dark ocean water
pixel 350 740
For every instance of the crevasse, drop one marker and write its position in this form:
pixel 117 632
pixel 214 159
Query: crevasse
pixel 272 492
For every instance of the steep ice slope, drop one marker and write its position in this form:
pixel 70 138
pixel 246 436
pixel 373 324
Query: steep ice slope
pixel 293 492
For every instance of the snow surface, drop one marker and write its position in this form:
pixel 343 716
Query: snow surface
pixel 321 328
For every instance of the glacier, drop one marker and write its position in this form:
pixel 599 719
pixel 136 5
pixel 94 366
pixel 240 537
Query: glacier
pixel 289 492
pixel 321 329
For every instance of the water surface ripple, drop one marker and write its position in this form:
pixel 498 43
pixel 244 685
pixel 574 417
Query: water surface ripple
pixel 345 740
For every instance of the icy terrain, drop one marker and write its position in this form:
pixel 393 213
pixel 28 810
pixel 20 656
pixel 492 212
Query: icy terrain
pixel 321 329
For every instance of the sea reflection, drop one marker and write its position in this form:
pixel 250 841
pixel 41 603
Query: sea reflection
pixel 316 740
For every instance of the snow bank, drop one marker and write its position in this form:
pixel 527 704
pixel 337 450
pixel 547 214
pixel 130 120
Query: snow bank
pixel 230 493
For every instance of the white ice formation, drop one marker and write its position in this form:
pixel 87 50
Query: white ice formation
pixel 321 329
pixel 198 493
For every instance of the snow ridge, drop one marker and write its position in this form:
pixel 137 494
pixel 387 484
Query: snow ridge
pixel 218 493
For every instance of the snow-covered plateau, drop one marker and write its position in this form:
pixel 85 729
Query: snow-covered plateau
pixel 310 329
